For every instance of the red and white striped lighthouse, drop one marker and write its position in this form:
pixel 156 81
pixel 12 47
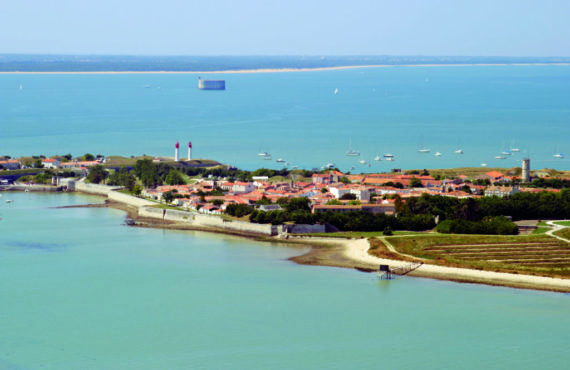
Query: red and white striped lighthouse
pixel 190 151
pixel 176 156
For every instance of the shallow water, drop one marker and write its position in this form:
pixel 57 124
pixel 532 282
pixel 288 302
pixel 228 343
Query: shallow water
pixel 297 116
pixel 82 290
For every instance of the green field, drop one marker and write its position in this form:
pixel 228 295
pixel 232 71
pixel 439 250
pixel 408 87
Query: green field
pixel 534 254
pixel 563 223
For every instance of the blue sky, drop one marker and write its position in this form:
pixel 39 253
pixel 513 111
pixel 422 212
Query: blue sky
pixel 292 27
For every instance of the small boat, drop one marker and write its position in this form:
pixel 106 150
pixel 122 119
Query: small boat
pixel 388 155
pixel 559 155
pixel 390 159
pixel 280 160
pixel 377 158
pixel 424 150
pixel 506 152
pixel 351 152
pixel 8 201
pixel 294 167
pixel 437 154
pixel 330 165
pixel 459 151
pixel 362 161
pixel 21 87
pixel 336 91
pixel 500 157
pixel 264 154
pixel 267 157
pixel 483 164
pixel 515 150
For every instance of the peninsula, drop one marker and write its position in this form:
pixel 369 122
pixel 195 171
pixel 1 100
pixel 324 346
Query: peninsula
pixel 469 225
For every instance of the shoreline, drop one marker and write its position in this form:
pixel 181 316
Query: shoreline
pixel 283 70
pixel 353 254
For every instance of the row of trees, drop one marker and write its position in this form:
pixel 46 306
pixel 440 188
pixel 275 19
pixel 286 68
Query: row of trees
pixel 494 226
pixel 519 206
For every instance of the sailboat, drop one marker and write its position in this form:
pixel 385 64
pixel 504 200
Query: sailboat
pixel 483 164
pixel 437 154
pixel 21 87
pixel 514 149
pixel 280 160
pixel 351 152
pixel 336 91
pixel 377 158
pixel 459 151
pixel 559 155
pixel 362 161
pixel 424 150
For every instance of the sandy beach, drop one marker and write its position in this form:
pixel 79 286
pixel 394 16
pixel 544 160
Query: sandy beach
pixel 286 70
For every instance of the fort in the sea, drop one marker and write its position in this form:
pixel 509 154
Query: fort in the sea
pixel 211 84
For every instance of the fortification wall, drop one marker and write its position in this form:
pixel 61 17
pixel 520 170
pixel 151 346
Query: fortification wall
pixel 95 188
pixel 128 199
pixel 304 229
pixel 199 220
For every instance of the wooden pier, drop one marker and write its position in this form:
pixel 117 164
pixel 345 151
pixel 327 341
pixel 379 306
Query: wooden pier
pixel 386 273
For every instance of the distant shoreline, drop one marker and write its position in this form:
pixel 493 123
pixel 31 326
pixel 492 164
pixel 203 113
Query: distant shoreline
pixel 286 70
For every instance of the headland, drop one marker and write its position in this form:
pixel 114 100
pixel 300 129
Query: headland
pixel 320 209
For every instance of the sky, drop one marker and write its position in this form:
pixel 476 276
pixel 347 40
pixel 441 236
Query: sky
pixel 291 27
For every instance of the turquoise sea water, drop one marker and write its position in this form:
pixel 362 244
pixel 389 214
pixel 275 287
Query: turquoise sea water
pixel 297 116
pixel 80 290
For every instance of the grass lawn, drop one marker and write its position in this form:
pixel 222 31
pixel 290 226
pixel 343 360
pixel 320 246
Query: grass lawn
pixel 563 223
pixel 541 230
pixel 564 233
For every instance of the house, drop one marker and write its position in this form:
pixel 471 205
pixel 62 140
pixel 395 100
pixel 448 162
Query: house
pixel 10 164
pixel 51 163
pixel 361 193
pixel 242 187
pixel 269 207
pixel 501 191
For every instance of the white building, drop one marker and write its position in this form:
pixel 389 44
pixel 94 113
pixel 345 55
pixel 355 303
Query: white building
pixel 51 163
pixel 242 187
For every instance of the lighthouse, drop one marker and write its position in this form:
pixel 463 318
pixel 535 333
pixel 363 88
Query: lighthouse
pixel 176 156
pixel 190 151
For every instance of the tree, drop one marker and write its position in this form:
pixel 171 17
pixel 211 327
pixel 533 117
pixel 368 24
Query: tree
pixel 387 231
pixel 348 196
pixel 344 180
pixel 89 157
pixel 301 203
pixel 38 163
pixel 324 190
pixel 168 197
pixel 217 202
pixel 354 202
pixel 334 202
pixel 263 201
pixel 415 183
pixel 97 174
pixel 175 178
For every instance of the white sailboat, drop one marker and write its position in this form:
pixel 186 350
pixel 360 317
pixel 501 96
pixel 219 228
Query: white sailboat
pixel 437 154
pixel 362 161
pixel 424 150
pixel 336 91
pixel 559 155
pixel 459 151
pixel 21 87
pixel 280 160
pixel 483 164
pixel 500 157
pixel 351 152
pixel 377 158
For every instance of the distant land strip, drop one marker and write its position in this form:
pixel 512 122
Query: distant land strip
pixel 281 70
pixel 246 64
